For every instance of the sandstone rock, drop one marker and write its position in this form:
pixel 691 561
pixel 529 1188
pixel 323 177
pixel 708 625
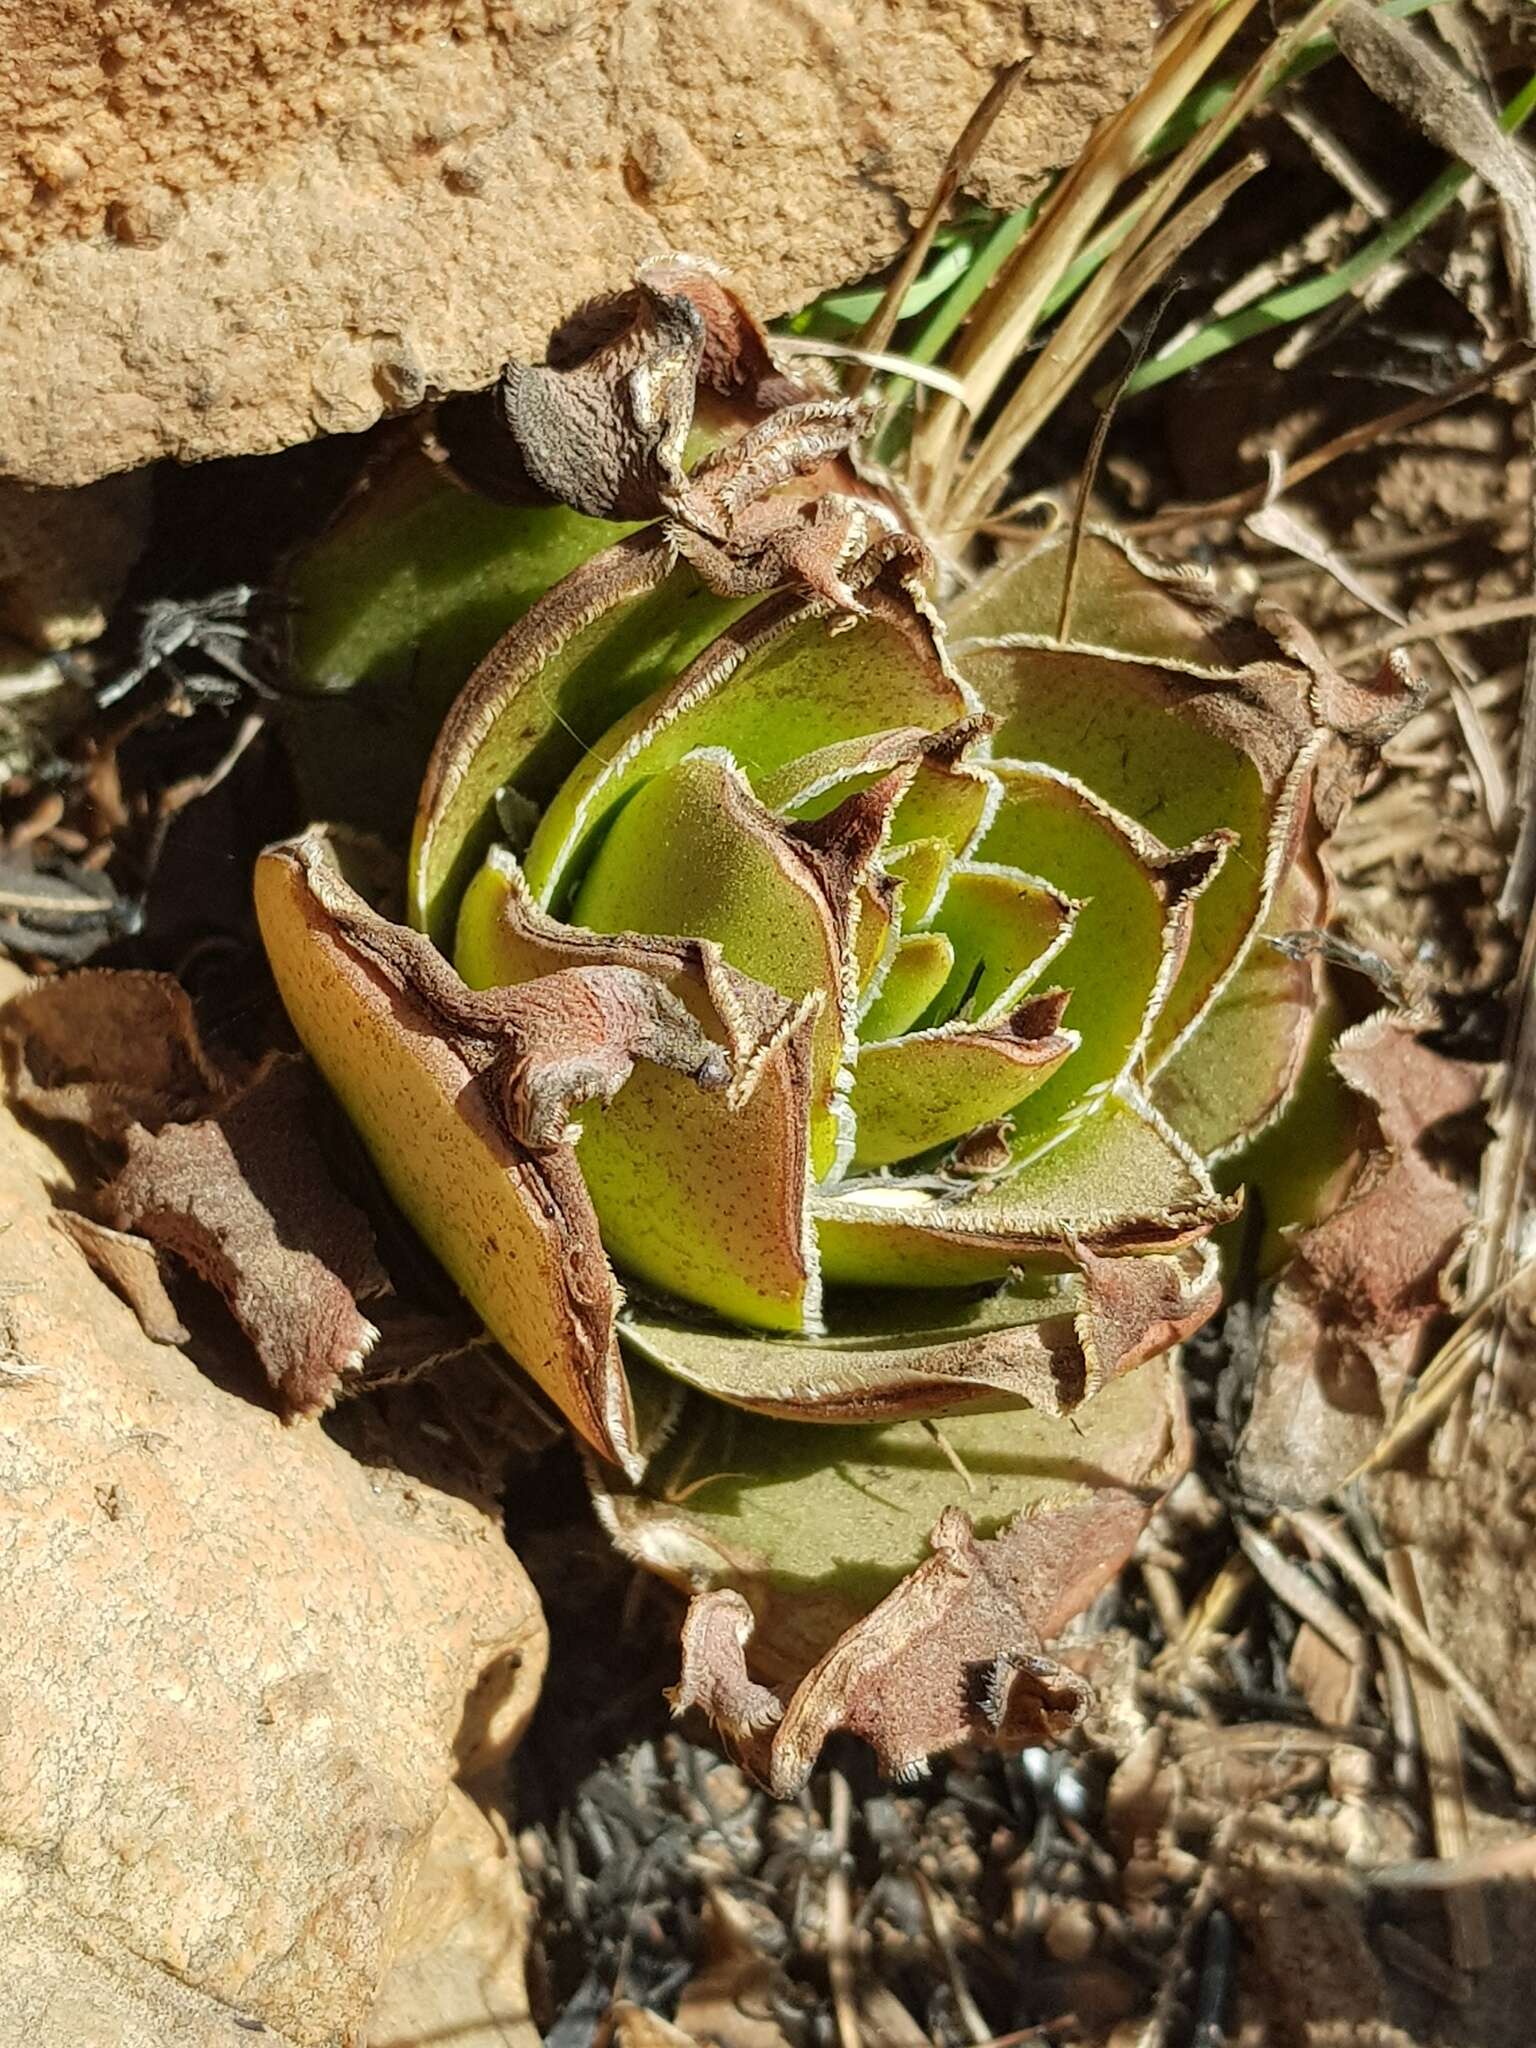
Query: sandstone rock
pixel 230 228
pixel 460 1947
pixel 238 1661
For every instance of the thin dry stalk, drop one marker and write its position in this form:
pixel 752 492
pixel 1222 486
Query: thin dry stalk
pixel 1163 1591
pixel 1212 1610
pixel 1120 284
pixel 1440 1741
pixel 787 346
pixel 1096 449
pixel 882 324
pixel 1400 1715
pixel 1300 1592
pixel 1147 251
pixel 1323 1537
pixel 1464 621
pixel 1453 1367
pixel 1504 1191
pixel 1483 1866
pixel 936 1912
pixel 1007 317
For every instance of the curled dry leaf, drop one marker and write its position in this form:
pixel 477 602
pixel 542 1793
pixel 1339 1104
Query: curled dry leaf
pixel 1365 1279
pixel 216 1167
pixel 246 1199
pixel 103 1051
pixel 960 983
pixel 955 1654
pixel 465 1101
pixel 130 1267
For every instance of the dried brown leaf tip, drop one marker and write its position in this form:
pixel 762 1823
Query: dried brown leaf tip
pixel 1365 1280
pixel 604 427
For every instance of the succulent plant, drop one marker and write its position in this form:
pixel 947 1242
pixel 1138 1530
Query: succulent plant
pixel 818 1026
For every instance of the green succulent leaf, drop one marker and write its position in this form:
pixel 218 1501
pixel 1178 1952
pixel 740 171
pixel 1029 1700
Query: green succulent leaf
pixel 1118 1181
pixel 920 968
pixel 593 647
pixel 781 686
pixel 930 1088
pixel 748 1254
pixel 463 1101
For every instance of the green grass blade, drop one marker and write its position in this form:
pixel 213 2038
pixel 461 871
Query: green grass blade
pixel 1313 294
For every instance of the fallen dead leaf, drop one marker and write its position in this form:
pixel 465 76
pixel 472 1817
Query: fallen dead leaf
pixel 1348 1315
pixel 246 1199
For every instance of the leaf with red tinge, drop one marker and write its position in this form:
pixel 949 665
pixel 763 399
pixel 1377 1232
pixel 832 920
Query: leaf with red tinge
pixel 1348 1315
pixel 246 1199
pixel 464 1100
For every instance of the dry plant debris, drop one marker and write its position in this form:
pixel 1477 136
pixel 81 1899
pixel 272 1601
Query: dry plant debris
pixel 1297 1707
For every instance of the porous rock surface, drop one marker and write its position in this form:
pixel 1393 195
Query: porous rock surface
pixel 231 225
pixel 239 1661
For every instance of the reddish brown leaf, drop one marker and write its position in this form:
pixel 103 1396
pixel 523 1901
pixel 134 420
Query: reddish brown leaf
pixel 1348 1315
pixel 130 1268
pixel 104 1050
pixel 245 1198
pixel 955 1654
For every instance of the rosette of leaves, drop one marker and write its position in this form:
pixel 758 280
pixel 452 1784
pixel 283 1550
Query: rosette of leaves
pixel 816 1027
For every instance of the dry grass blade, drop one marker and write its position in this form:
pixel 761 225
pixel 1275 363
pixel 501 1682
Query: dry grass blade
pixel 1477 1711
pixel 789 345
pixel 877 334
pixel 1300 1592
pixel 1210 1612
pixel 1440 1742
pixel 840 1967
pixel 1483 1866
pixel 1466 621
pixel 1146 253
pixel 935 1911
pixel 1456 1363
pixel 1504 1190
pixel 1114 293
pixel 1504 1187
pixel 1008 316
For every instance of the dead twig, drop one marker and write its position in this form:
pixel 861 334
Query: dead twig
pixel 1430 628
pixel 1516 361
pixel 1438 1874
pixel 935 1913
pixel 840 1966
pixel 1296 1587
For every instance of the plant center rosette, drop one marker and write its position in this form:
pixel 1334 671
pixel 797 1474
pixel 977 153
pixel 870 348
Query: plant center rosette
pixel 818 1024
